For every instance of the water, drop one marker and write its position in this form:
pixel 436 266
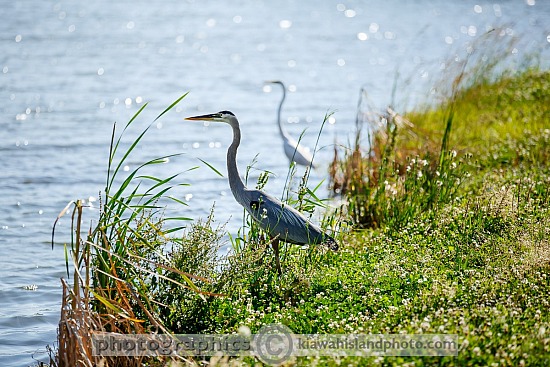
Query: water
pixel 68 70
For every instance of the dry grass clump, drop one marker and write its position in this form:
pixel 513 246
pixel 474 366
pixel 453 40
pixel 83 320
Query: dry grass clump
pixel 392 181
pixel 119 266
pixel 415 162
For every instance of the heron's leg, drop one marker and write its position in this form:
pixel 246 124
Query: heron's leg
pixel 275 244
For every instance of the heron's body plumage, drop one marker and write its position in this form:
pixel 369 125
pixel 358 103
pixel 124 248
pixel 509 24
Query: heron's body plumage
pixel 283 221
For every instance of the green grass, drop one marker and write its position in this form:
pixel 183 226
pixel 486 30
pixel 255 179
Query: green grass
pixel 475 264
pixel 450 216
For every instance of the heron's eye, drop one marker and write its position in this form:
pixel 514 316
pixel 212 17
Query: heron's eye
pixel 254 205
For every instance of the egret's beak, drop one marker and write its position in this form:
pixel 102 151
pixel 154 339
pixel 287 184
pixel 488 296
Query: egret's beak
pixel 272 82
pixel 210 117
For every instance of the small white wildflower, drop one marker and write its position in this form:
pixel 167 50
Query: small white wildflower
pixel 408 168
pixel 419 174
pixel 453 165
pixel 424 162
pixel 439 183
pixel 244 330
pixel 453 153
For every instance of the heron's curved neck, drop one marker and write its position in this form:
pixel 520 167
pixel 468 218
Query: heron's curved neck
pixel 235 182
pixel 281 127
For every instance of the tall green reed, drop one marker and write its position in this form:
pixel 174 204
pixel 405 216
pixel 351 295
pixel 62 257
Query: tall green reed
pixel 123 256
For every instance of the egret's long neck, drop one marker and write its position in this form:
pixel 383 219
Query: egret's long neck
pixel 281 127
pixel 235 182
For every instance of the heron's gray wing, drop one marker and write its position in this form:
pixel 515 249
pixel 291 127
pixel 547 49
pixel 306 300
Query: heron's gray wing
pixel 282 220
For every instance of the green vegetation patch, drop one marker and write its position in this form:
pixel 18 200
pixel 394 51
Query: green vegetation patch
pixel 450 211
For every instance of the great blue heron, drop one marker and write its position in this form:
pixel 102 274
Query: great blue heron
pixel 281 221
pixel 293 150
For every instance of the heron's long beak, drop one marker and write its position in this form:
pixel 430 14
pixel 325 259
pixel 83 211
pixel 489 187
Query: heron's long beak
pixel 209 117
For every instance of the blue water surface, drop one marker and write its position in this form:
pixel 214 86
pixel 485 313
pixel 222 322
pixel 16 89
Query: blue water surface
pixel 69 70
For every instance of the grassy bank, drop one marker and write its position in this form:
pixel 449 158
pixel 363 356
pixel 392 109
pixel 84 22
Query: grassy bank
pixel 474 263
pixel 450 211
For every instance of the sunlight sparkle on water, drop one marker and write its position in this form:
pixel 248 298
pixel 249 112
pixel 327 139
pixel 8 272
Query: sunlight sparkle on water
pixel 374 27
pixel 293 119
pixel 362 36
pixel 478 9
pixel 350 13
pixel 236 58
pixel 285 24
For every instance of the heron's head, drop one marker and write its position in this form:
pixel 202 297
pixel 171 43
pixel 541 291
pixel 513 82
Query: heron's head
pixel 223 116
pixel 275 82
